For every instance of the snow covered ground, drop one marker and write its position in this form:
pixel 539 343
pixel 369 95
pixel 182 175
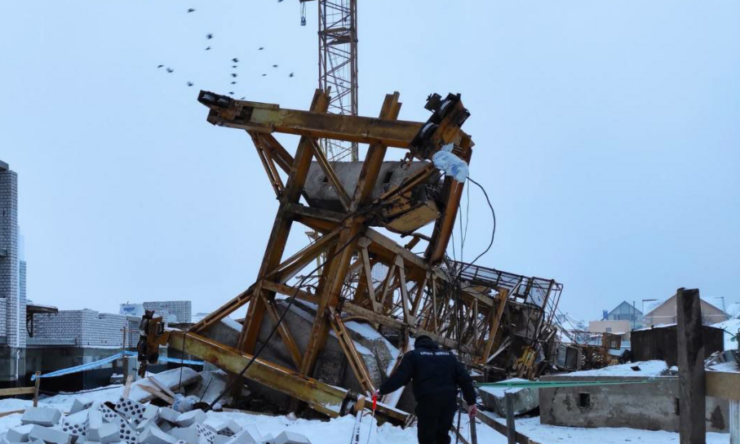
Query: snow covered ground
pixel 553 434
pixel 338 431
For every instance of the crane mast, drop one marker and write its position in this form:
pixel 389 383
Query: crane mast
pixel 338 66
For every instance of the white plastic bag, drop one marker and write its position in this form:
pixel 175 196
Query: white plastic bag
pixel 450 163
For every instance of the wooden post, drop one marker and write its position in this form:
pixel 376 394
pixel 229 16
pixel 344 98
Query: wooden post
pixel 473 431
pixel 124 358
pixel 691 379
pixel 36 390
pixel 510 424
pixel 127 387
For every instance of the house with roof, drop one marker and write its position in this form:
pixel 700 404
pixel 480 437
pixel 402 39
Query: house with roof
pixel 626 312
pixel 661 312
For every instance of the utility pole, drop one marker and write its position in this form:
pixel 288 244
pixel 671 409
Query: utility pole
pixel 124 358
pixel 691 377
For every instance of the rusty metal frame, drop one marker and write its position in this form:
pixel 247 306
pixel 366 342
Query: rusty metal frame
pixel 412 297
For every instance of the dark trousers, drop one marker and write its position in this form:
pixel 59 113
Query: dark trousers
pixel 435 413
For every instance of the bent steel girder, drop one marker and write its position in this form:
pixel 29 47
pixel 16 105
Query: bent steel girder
pixel 415 295
pixel 321 397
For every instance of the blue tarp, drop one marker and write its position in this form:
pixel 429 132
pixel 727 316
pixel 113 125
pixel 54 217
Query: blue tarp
pixel 108 360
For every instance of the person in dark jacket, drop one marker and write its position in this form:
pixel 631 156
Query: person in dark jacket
pixel 436 375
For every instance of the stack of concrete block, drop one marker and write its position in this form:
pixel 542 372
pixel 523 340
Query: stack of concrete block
pixel 130 422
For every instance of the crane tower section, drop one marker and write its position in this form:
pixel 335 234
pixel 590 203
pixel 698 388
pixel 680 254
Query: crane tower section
pixel 338 67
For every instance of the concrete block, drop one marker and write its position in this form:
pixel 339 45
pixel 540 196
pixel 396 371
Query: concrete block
pixel 222 427
pixel 248 435
pixel 76 424
pixel 187 419
pixel 43 416
pixel 205 433
pixel 80 404
pixel 143 425
pixel 131 410
pixel 108 414
pixel 49 435
pixel 169 414
pixel 94 418
pixel 19 434
pixel 125 431
pixel 151 411
pixel 188 434
pixel 525 399
pixel 107 433
pixel 153 435
pixel 268 439
pixel 291 438
pixel 166 427
pixel 221 439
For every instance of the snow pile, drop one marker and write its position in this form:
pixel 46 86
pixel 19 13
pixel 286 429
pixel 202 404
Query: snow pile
pixel 646 369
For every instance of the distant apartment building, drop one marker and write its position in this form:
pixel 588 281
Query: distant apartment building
pixel 12 282
pixel 174 312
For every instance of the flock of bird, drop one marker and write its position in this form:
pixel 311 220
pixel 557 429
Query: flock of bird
pixel 234 63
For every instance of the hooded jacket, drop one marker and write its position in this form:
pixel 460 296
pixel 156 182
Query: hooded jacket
pixel 433 371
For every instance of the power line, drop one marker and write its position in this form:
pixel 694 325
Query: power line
pixel 493 214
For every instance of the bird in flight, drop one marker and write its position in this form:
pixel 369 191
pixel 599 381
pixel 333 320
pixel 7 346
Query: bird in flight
pixel 233 83
pixel 191 10
pixel 235 60
pixel 231 93
pixel 244 97
pixel 160 66
pixel 208 48
pixel 190 83
pixel 291 75
pixel 233 74
pixel 170 70
pixel 234 66
pixel 264 75
pixel 209 36
pixel 274 66
pixel 261 48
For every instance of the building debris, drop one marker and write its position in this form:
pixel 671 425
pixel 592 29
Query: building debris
pixel 525 399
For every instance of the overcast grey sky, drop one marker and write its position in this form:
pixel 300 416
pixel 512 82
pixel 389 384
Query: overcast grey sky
pixel 607 134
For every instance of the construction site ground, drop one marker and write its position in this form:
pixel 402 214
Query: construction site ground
pixel 339 430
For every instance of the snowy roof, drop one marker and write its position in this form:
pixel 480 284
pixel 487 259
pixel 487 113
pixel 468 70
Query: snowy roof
pixel 500 392
pixel 625 303
pixel 644 369
pixel 649 306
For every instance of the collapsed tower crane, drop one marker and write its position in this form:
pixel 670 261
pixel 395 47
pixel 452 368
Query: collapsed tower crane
pixel 496 320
